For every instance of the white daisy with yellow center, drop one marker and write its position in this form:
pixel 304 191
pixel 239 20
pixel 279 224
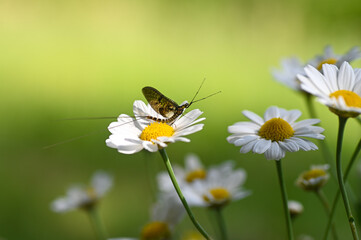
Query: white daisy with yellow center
pixel 314 179
pixel 339 89
pixel 192 171
pixel 79 196
pixel 129 135
pixel 274 134
pixel 329 57
pixel 222 185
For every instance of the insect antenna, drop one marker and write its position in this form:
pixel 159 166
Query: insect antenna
pixel 193 101
pixel 205 97
pixel 196 93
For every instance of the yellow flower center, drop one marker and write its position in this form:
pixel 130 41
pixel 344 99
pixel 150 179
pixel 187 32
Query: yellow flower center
pixel 155 231
pixel 219 194
pixel 313 179
pixel 193 236
pixel 328 61
pixel 155 130
pixel 314 173
pixel 196 174
pixel 276 129
pixel 351 98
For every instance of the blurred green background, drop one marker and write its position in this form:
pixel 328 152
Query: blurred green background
pixel 65 59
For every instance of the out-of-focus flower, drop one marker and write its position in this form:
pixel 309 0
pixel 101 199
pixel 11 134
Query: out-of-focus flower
pixel 339 89
pixel 129 135
pixel 193 170
pixel 291 67
pixel 288 74
pixel 329 57
pixel 314 179
pixel 295 208
pixel 79 196
pixel 165 215
pixel 222 185
pixel 274 134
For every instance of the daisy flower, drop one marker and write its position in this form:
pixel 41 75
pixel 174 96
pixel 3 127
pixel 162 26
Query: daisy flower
pixel 129 135
pixel 314 179
pixel 339 89
pixel 274 134
pixel 79 196
pixel 165 215
pixel 288 75
pixel 329 57
pixel 222 186
pixel 193 170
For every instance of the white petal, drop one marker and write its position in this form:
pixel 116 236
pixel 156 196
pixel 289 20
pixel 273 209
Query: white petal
pixel 289 145
pixel 101 182
pixel 253 117
pixel 188 118
pixel 274 152
pixel 61 205
pixel 292 116
pixel 330 71
pixel 150 146
pixel 192 162
pixel 304 123
pixel 245 140
pixel 244 127
pixel 271 112
pixel 261 146
pixel 247 147
pixel 303 145
pixel 318 80
pixel 189 130
pixel 346 77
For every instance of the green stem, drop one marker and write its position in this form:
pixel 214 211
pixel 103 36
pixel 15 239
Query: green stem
pixel 284 199
pixel 358 119
pixel 168 165
pixel 351 220
pixel 221 223
pixel 321 196
pixel 337 196
pixel 96 223
pixel 323 143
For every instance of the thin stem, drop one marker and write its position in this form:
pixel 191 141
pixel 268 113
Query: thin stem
pixel 96 223
pixel 168 165
pixel 337 196
pixel 351 220
pixel 284 199
pixel 221 223
pixel 321 196
pixel 323 143
pixel 358 119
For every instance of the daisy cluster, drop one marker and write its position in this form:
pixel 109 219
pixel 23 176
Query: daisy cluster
pixel 213 187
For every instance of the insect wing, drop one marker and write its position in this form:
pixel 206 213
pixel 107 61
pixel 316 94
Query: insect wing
pixel 160 103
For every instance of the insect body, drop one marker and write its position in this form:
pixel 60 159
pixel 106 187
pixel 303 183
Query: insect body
pixel 163 105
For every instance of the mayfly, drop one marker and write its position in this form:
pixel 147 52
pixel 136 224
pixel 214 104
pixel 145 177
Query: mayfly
pixel 163 105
